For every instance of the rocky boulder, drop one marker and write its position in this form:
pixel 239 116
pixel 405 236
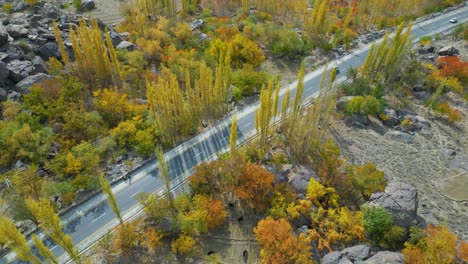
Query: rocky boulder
pixel 87 5
pixel 299 178
pixel 19 69
pixel 399 137
pixel 390 117
pixel 126 45
pixel 447 51
pixel 342 102
pixel 353 254
pixel 3 94
pixel 401 199
pixel 24 85
pixel 357 120
pixel 4 72
pixel 49 50
pixel 384 257
pixel 17 31
pixel 3 35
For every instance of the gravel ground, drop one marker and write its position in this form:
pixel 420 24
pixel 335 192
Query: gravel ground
pixel 436 163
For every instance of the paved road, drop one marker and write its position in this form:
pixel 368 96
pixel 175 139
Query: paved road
pixel 90 221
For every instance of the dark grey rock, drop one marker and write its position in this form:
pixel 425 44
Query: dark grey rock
pixel 4 72
pixel 402 200
pixel 39 65
pixel 34 20
pixel 14 52
pixel 88 5
pixel 418 88
pixel 3 35
pixel 3 94
pixel 20 6
pixel 20 69
pixel 359 252
pixel 385 257
pixel 447 51
pixel 400 137
pixel 49 50
pixel 126 45
pixel 357 120
pixel 391 117
pixel 24 85
pixel 299 178
pixel 332 258
pixel 342 102
pixel 422 96
pixel 3 56
pixel 115 37
pixel 19 18
pixel 199 23
pixel 202 37
pixel 51 11
pixel 17 31
pixel 13 96
pixel 303 230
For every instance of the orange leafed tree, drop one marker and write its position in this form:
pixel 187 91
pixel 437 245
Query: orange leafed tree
pixel 279 245
pixel 453 66
pixel 216 214
pixel 255 183
pixel 439 246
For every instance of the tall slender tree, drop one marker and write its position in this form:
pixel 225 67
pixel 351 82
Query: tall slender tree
pixel 165 178
pixel 14 240
pixel 106 188
pixel 50 223
pixel 233 135
pixel 299 89
pixel 44 250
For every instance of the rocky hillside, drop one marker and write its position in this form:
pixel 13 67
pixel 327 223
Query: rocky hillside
pixel 27 41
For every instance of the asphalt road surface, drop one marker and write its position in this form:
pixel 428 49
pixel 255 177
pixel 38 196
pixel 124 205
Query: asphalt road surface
pixel 87 223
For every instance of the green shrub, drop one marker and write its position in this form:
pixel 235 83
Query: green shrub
pixel 7 7
pixel 237 94
pixel 368 105
pixel 416 234
pixel 425 40
pixel 248 80
pixel 77 4
pixel 377 222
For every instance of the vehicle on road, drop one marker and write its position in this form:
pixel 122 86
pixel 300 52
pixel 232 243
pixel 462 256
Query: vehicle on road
pixel 453 20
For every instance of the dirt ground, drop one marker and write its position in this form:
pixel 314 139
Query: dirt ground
pixel 436 163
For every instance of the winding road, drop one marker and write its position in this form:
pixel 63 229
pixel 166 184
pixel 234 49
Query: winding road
pixel 88 222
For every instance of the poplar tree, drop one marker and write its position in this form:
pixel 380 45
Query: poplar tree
pixel 50 223
pixel 285 104
pixel 168 107
pixel 233 135
pixel 44 250
pixel 96 61
pixel 14 240
pixel 384 59
pixel 106 188
pixel 165 177
pixel 265 112
pixel 299 89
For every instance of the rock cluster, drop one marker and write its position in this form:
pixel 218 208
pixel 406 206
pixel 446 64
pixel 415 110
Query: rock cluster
pixel 361 254
pixel 27 41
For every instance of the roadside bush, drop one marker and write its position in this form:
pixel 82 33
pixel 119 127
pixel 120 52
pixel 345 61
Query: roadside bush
pixel 248 80
pixel 425 40
pixel 358 86
pixel 368 105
